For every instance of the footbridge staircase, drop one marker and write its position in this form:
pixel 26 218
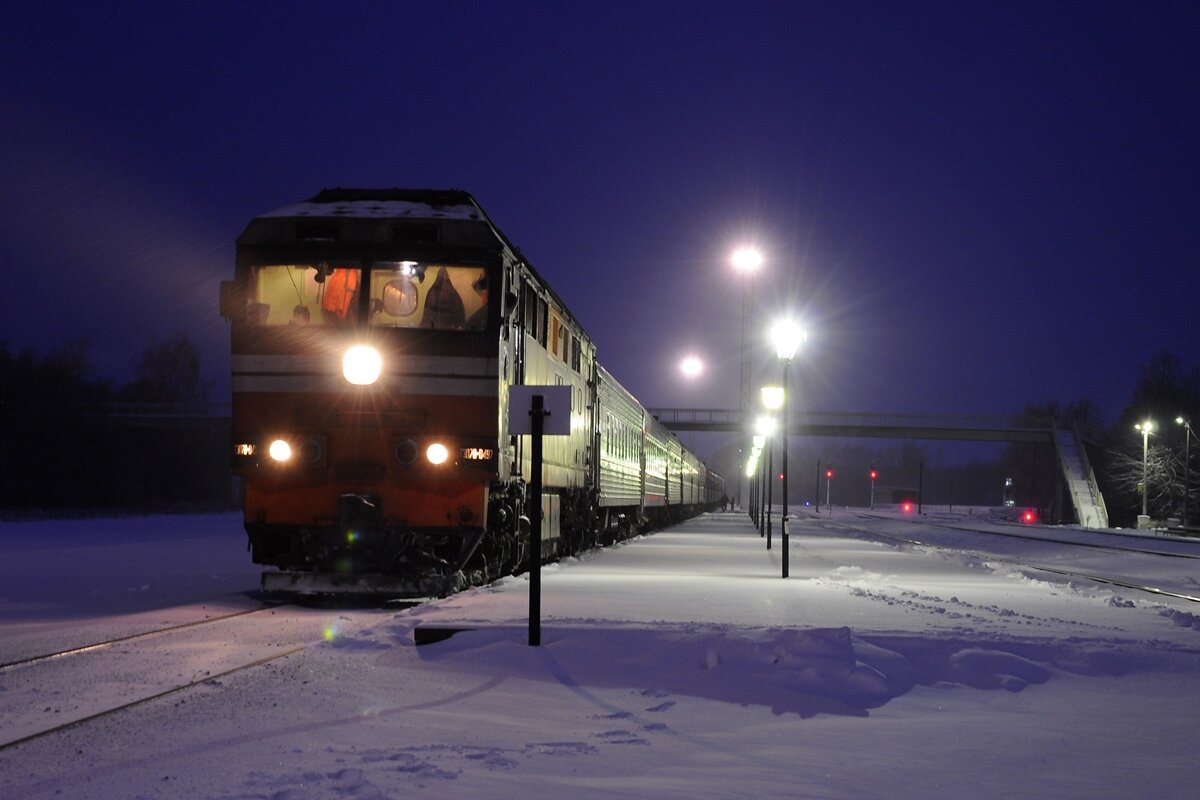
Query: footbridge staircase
pixel 1081 480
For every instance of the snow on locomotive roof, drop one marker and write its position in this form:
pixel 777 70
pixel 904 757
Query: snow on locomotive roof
pixel 386 204
pixel 383 209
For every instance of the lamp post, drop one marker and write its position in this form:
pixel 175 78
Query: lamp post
pixel 787 338
pixel 765 427
pixel 762 441
pixel 751 469
pixel 772 400
pixel 1187 467
pixel 1145 427
pixel 691 367
pixel 746 260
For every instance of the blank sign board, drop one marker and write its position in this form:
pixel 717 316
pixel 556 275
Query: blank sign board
pixel 555 399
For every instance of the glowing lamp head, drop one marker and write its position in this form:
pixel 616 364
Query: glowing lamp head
pixel 280 450
pixel 1029 517
pixel 772 397
pixel 362 365
pixel 746 259
pixel 787 337
pixel 437 453
pixel 764 426
pixel 691 367
pixel 906 508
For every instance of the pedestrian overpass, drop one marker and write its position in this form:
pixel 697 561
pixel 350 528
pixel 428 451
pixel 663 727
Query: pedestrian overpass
pixel 1072 456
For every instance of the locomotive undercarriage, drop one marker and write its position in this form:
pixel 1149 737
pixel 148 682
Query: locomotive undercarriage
pixel 417 561
pixel 360 556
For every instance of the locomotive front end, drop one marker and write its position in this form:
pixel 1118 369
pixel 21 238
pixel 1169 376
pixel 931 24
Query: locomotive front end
pixel 366 366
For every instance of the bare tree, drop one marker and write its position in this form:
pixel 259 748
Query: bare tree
pixel 169 372
pixel 1163 475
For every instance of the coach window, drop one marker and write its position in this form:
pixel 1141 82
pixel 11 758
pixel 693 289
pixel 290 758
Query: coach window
pixel 305 294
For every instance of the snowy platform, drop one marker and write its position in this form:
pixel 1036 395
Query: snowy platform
pixel 676 665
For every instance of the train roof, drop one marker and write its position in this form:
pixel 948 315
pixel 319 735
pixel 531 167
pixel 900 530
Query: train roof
pixel 387 204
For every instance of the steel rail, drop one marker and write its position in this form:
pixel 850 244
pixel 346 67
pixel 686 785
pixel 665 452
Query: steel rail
pixel 147 699
pixel 1027 537
pixel 1125 584
pixel 87 648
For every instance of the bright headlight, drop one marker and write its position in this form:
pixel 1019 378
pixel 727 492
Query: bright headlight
pixel 437 453
pixel 280 450
pixel 362 365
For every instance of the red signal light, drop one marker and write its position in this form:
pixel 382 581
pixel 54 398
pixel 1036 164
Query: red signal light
pixel 1029 517
pixel 828 473
pixel 906 508
pixel 874 474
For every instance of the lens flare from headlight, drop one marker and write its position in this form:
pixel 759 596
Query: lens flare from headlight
pixel 437 453
pixel 362 365
pixel 280 450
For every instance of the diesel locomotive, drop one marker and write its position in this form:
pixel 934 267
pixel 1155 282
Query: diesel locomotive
pixel 375 335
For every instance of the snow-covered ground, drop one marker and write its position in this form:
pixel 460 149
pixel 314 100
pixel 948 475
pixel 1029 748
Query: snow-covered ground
pixel 676 665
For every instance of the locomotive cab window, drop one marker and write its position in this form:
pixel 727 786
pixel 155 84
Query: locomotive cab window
pixel 405 294
pixel 305 294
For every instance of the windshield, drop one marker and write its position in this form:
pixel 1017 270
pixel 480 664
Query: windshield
pixel 405 294
pixel 402 294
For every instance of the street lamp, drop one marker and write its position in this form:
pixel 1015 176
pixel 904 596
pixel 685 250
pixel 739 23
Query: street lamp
pixel 691 367
pixel 765 426
pixel 1187 466
pixel 1145 427
pixel 746 260
pixel 786 336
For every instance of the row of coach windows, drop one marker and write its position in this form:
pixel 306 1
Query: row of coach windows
pixel 401 294
pixel 621 439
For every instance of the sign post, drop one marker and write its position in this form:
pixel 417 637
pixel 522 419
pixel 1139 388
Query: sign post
pixel 537 411
pixel 537 418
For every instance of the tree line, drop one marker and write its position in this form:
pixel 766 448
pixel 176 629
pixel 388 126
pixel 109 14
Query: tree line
pixel 64 450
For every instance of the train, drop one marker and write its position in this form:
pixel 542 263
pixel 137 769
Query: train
pixel 375 337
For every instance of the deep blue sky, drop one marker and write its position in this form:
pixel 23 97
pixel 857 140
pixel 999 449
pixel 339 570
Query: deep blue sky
pixel 971 205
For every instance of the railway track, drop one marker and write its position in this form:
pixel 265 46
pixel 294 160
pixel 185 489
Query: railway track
pixel 86 648
pixel 148 698
pixel 55 691
pixel 1132 584
pixel 1044 539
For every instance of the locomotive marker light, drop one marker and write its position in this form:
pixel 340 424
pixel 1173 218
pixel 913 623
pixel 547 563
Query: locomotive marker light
pixel 437 453
pixel 362 365
pixel 280 450
pixel 787 338
pixel 537 411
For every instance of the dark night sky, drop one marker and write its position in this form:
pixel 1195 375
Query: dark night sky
pixel 970 205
